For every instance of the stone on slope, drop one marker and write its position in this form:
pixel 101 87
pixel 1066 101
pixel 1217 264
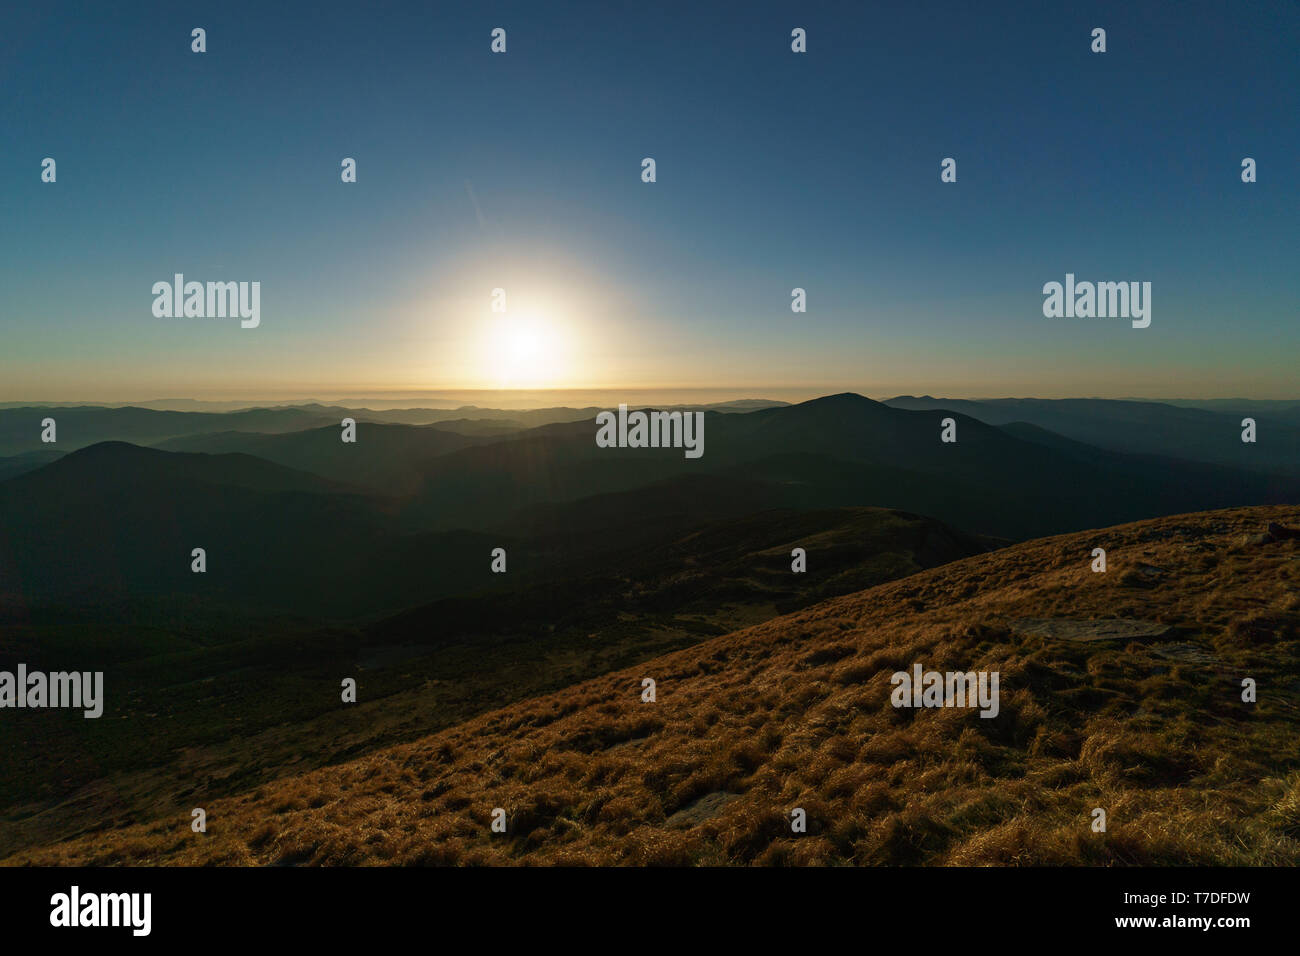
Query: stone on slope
pixel 1083 631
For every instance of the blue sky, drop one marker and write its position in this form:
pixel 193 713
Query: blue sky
pixel 775 170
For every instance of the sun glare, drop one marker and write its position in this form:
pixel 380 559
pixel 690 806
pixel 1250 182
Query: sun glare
pixel 525 350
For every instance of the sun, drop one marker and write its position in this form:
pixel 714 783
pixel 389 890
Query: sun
pixel 525 350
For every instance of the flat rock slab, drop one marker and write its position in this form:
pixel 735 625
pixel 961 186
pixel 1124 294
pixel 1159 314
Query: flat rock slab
pixel 699 810
pixel 1085 631
pixel 1186 653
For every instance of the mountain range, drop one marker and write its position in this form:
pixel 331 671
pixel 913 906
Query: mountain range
pixel 475 564
pixel 300 521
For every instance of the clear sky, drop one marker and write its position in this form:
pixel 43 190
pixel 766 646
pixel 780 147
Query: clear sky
pixel 774 170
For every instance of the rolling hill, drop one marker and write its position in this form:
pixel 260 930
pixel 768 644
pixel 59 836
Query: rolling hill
pixel 79 426
pixel 846 450
pixel 408 514
pixel 1205 434
pixel 386 458
pixel 1120 691
pixel 226 697
pixel 116 520
pixel 15 465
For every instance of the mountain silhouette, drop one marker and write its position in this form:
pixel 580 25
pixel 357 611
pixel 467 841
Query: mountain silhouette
pixel 385 457
pixel 409 514
pixel 82 425
pixel 1147 428
pixel 845 450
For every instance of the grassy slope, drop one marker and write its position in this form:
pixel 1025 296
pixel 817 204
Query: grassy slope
pixel 211 700
pixel 795 712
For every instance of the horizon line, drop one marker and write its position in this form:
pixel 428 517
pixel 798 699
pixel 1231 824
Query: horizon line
pixel 456 398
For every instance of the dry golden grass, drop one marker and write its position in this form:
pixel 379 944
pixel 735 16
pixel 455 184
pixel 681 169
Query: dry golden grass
pixel 796 713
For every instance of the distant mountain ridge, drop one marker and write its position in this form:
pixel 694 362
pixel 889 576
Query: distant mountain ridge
pixel 81 425
pixel 845 450
pixel 1146 428
pixel 408 514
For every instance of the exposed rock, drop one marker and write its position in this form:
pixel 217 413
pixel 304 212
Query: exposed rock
pixel 1105 629
pixel 699 810
pixel 1274 532
pixel 1189 653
